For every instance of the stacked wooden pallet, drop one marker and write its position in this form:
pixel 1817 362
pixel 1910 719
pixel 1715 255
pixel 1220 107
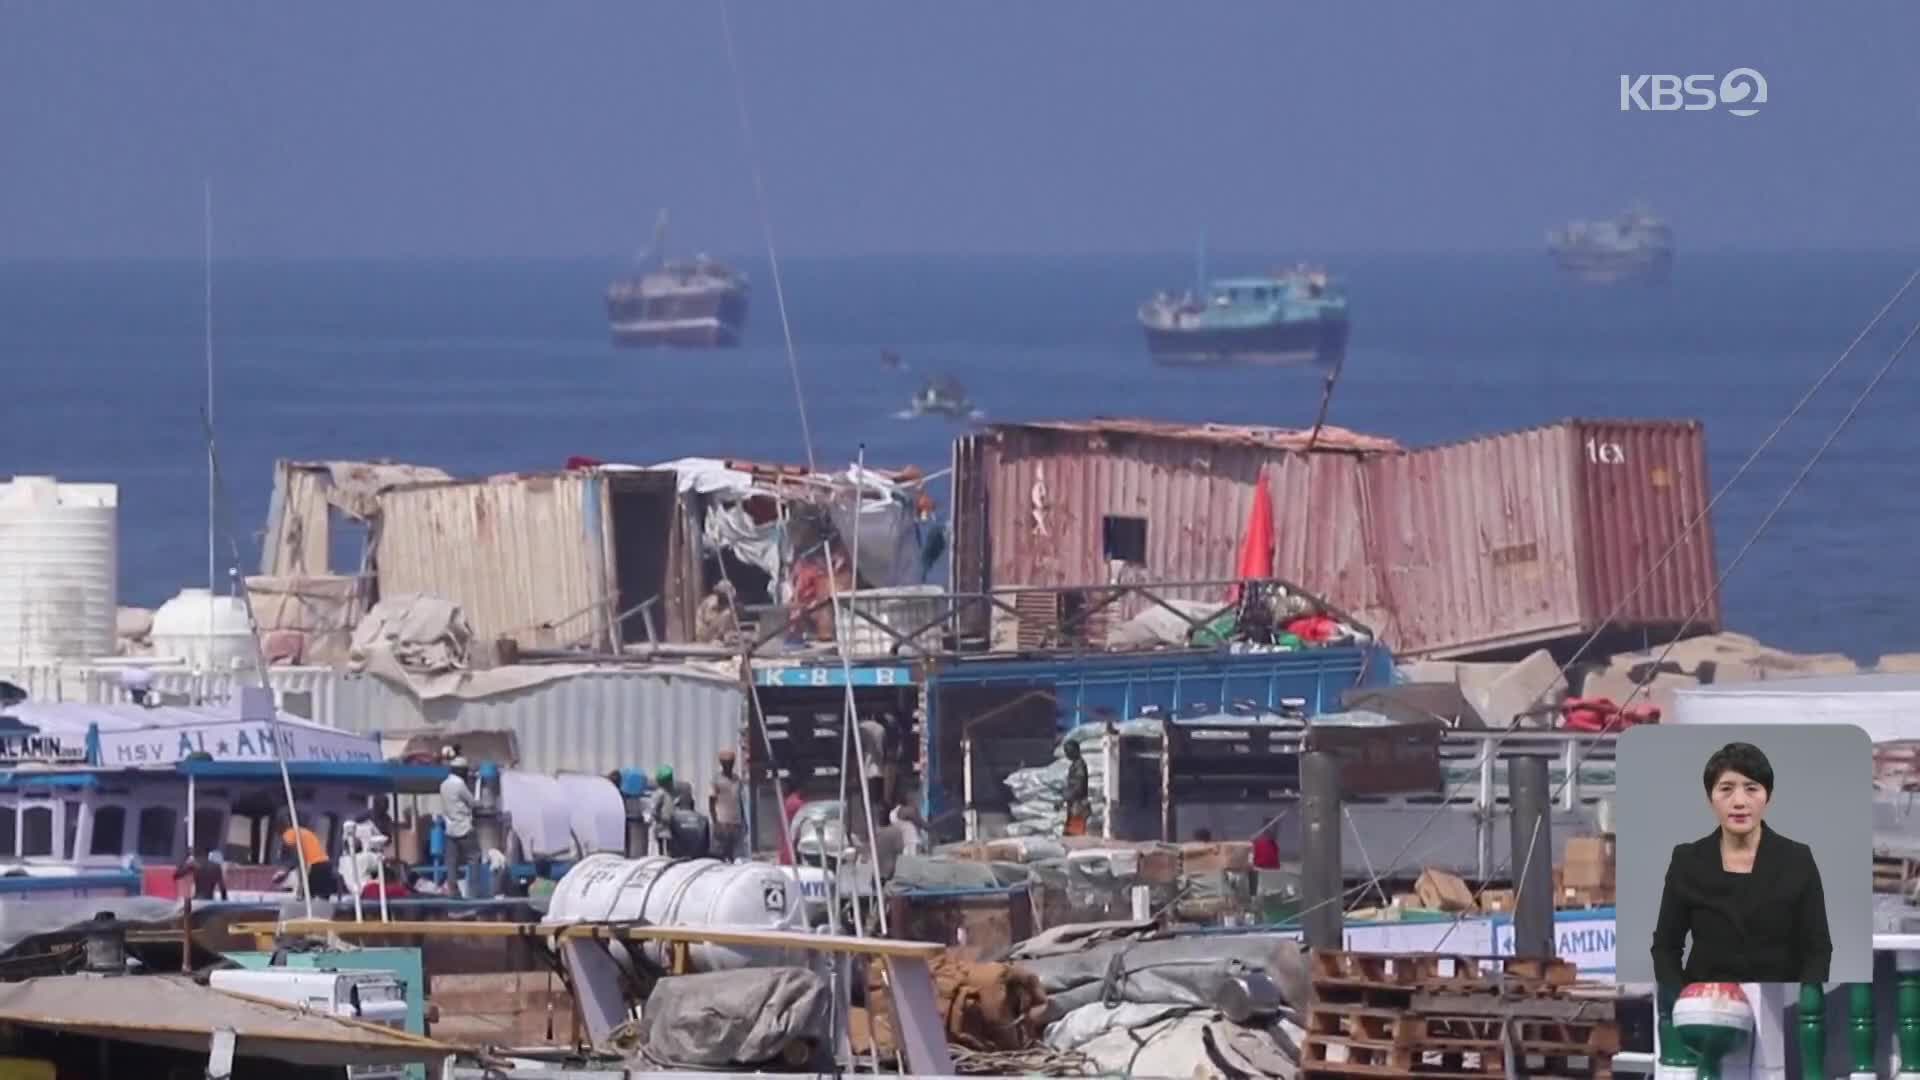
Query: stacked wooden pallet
pixel 1892 875
pixel 1397 1017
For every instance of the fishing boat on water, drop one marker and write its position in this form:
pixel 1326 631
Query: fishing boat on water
pixel 942 395
pixel 696 303
pixel 1288 317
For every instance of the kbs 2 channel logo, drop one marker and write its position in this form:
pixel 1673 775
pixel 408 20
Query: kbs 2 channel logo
pixel 1741 92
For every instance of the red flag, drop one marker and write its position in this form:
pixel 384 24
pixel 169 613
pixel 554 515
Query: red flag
pixel 1256 543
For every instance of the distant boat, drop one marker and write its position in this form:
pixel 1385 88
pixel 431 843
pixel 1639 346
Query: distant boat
pixel 1636 246
pixel 942 395
pixel 1289 317
pixel 701 303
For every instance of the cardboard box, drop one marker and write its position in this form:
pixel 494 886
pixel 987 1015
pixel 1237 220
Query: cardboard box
pixel 1589 863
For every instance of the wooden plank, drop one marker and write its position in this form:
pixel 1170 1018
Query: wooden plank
pixel 777 939
pixel 923 1037
pixel 1494 1005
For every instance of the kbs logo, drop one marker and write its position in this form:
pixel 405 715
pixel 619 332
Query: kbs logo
pixel 1741 92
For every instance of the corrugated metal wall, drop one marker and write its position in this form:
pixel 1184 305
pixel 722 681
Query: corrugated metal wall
pixel 1478 542
pixel 1051 492
pixel 299 529
pixel 585 723
pixel 521 555
pixel 1481 545
pixel 1640 485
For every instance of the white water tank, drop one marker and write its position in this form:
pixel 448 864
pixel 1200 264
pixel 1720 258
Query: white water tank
pixel 209 632
pixel 59 570
pixel 660 891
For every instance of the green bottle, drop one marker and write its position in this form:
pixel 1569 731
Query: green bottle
pixel 1813 1032
pixel 1860 1027
pixel 1907 1012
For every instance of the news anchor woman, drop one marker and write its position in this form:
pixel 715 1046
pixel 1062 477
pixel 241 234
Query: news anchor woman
pixel 1747 898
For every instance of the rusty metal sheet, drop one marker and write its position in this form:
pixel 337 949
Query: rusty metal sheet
pixel 1642 490
pixel 521 555
pixel 1249 436
pixel 1478 543
pixel 1488 545
pixel 1390 759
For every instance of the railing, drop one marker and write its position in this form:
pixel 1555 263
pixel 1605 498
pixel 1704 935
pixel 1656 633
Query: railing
pixel 1042 619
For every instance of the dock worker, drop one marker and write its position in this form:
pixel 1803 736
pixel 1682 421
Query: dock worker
pixel 660 809
pixel 723 803
pixel 302 847
pixel 1079 804
pixel 456 809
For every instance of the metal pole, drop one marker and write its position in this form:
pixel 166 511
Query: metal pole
pixel 1532 839
pixel 1321 923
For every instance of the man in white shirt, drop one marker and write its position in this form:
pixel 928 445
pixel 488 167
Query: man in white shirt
pixel 456 809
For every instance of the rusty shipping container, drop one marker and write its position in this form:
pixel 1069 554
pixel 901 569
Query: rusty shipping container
pixel 1550 534
pixel 1097 502
pixel 549 560
pixel 1474 548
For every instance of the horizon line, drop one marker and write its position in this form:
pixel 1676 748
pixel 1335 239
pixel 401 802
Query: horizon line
pixel 1301 254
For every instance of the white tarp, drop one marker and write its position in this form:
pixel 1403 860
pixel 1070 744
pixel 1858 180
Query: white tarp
pixel 1886 707
pixel 598 813
pixel 537 806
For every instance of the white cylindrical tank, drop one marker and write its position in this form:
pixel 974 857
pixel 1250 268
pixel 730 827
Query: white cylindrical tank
pixel 59 570
pixel 204 630
pixel 688 892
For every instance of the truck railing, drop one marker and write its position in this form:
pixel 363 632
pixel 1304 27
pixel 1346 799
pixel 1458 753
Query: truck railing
pixel 1071 619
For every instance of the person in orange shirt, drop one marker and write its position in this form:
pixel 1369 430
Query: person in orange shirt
pixel 321 882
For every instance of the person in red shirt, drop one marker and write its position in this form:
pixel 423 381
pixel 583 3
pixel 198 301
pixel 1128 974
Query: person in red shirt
pixel 1266 850
pixel 792 810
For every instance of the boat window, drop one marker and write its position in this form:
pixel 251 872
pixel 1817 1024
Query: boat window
pixel 7 847
pixel 70 825
pixel 1124 539
pixel 154 837
pixel 36 831
pixel 109 830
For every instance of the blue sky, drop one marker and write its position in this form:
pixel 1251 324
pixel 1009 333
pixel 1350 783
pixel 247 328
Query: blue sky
pixel 1072 127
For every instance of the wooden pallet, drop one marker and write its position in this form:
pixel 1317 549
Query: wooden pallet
pixel 1891 875
pixel 1438 971
pixel 1389 1026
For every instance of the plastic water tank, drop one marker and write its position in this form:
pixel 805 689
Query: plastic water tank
pixel 660 891
pixel 59 570
pixel 207 631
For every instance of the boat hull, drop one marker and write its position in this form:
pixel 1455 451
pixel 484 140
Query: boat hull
pixel 702 322
pixel 1597 269
pixel 1290 344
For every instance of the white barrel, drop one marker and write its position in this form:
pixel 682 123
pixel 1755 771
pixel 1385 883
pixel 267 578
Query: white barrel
pixel 213 633
pixel 660 891
pixel 59 571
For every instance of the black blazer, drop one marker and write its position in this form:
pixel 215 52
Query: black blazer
pixel 1769 925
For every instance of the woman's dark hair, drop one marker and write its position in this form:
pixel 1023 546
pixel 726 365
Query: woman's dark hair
pixel 1743 758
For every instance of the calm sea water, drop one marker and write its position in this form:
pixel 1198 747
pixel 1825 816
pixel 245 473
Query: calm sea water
pixel 502 365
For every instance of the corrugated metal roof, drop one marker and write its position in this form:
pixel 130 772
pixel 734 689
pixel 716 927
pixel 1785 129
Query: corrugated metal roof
pixel 1330 439
pixel 521 554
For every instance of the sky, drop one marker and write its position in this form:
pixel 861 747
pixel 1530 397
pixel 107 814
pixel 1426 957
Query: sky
pixel 481 129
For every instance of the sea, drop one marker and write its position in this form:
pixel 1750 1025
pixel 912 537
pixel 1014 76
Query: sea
pixel 486 366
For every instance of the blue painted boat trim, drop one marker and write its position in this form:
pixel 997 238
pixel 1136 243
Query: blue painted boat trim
pixel 127 880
